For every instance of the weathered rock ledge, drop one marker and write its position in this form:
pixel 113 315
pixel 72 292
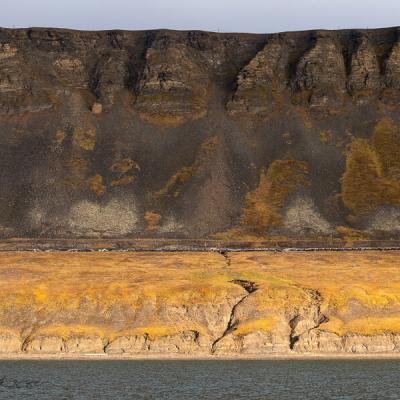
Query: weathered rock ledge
pixel 188 343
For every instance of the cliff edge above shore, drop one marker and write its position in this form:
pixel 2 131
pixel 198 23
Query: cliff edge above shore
pixel 149 304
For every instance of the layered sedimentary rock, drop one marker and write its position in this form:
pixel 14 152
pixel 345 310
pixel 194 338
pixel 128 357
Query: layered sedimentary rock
pixel 260 85
pixel 365 69
pixel 162 138
pixel 199 304
pixel 173 88
pixel 321 72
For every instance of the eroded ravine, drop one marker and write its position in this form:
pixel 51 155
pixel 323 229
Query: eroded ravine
pixel 310 318
pixel 250 288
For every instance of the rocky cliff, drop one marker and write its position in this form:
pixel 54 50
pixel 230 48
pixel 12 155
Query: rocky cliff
pixel 199 303
pixel 216 139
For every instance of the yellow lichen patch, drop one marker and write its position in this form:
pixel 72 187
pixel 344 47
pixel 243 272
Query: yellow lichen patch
pixel 153 220
pixel 365 185
pixel 176 181
pixel 41 294
pixel 361 184
pixel 170 121
pixel 85 138
pixel 96 185
pixel 68 331
pixel 97 108
pixel 125 165
pixel 59 137
pixel 125 180
pixel 155 331
pixel 263 324
pixel 374 325
pixel 173 184
pixel 325 136
pixel 363 326
pixel 263 205
pixel 386 141
pixel 334 325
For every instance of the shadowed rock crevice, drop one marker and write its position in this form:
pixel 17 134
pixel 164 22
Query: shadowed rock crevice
pixel 250 288
pixel 308 318
pixel 227 258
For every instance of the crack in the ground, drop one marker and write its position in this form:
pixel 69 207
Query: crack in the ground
pixel 225 254
pixel 250 288
pixel 316 300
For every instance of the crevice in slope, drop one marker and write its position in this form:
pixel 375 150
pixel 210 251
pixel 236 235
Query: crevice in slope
pixel 250 288
pixel 225 254
pixel 316 300
pixel 106 343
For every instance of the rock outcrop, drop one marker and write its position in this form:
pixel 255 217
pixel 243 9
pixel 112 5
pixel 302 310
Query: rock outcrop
pixel 192 139
pixel 172 88
pixel 365 71
pixel 321 72
pixel 260 85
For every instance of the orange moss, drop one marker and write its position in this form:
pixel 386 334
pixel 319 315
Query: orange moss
pixel 125 165
pixel 173 183
pixel 386 141
pixel 60 136
pixel 85 138
pixel 153 220
pixel 97 186
pixel 325 136
pixel 176 181
pixel 263 205
pixel 262 324
pixel 367 182
pixel 125 180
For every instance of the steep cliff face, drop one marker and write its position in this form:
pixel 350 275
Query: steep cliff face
pixel 199 303
pixel 165 136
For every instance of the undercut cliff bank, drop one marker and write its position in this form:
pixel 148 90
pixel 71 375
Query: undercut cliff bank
pixel 200 305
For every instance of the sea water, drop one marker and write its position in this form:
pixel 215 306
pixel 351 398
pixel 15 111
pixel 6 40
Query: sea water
pixel 267 380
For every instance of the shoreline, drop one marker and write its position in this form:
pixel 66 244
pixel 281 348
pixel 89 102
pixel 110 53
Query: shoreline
pixel 192 357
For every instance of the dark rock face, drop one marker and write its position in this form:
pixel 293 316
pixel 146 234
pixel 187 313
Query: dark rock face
pixel 321 72
pixel 231 138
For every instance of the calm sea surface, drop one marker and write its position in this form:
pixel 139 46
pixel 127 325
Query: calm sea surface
pixel 269 380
